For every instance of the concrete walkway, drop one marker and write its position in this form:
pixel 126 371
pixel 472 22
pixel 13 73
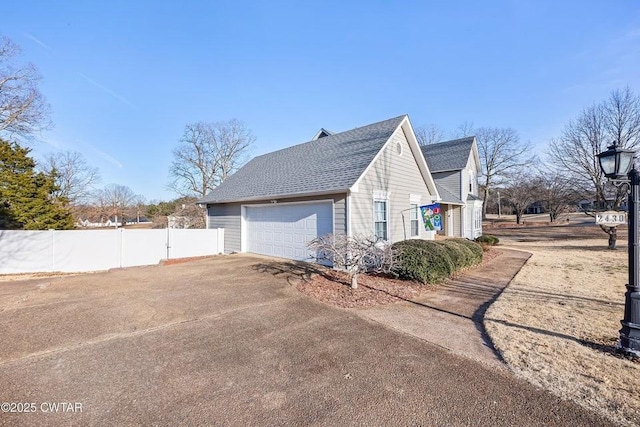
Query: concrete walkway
pixel 451 316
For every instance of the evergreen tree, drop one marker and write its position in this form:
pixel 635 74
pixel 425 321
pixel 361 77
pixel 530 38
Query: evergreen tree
pixel 27 198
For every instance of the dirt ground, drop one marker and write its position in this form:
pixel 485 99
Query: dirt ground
pixel 557 323
pixel 228 340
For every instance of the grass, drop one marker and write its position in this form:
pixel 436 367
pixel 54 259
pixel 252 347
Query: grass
pixel 557 323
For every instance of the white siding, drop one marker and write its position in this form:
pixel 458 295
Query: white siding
pixel 397 175
pixel 470 169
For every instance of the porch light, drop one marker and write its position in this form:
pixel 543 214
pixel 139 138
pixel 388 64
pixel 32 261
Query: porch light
pixel 616 162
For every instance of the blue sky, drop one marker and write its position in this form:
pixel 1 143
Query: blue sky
pixel 123 78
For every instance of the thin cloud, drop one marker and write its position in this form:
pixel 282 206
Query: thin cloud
pixel 108 158
pixel 53 143
pixel 39 42
pixel 107 90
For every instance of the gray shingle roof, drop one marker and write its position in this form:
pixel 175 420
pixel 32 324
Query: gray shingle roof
pixel 332 163
pixel 447 196
pixel 448 155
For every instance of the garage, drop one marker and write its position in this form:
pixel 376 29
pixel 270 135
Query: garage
pixel 283 230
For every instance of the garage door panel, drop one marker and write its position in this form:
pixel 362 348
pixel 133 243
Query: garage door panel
pixel 284 230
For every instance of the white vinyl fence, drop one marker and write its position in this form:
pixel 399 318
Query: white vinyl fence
pixel 92 250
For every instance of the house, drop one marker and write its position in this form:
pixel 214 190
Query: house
pixel 187 216
pixel 535 208
pixel 455 166
pixel 367 181
pixel 98 221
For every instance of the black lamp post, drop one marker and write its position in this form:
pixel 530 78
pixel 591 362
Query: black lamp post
pixel 618 166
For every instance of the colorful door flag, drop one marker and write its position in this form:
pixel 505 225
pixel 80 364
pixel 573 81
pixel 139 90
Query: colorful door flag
pixel 432 217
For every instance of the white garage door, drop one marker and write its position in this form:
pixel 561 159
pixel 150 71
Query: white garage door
pixel 284 230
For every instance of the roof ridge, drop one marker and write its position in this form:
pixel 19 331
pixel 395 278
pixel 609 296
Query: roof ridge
pixel 336 134
pixel 464 138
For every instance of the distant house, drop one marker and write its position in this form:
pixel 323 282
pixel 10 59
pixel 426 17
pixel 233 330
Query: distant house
pixel 367 181
pixel 455 166
pixel 187 216
pixel 97 222
pixel 535 208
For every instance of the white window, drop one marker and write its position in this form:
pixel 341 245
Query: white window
pixel 478 218
pixel 415 220
pixel 472 182
pixel 381 219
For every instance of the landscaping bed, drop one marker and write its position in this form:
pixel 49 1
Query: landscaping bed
pixel 332 287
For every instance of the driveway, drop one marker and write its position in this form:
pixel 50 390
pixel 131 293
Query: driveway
pixel 229 341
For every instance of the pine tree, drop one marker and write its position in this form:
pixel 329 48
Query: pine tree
pixel 27 198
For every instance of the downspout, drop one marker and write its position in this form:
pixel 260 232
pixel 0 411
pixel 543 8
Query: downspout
pixel 348 213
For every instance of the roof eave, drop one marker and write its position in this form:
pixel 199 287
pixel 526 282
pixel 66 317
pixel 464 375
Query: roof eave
pixel 278 196
pixel 447 170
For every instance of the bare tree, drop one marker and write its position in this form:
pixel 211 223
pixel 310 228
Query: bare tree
pixel 114 200
pixel 189 215
pixel 622 117
pixel 574 153
pixel 501 153
pixel 465 129
pixel 519 191
pixel 556 192
pixel 208 153
pixel 137 207
pixel 23 109
pixel 430 134
pixel 75 178
pixel 355 255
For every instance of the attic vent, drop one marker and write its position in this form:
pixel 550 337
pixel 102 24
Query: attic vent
pixel 399 148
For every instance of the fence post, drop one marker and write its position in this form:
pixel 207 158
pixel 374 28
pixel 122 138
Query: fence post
pixel 220 247
pixel 120 244
pixel 168 243
pixel 52 233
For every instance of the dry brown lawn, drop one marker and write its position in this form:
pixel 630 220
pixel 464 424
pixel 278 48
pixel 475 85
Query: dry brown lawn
pixel 557 323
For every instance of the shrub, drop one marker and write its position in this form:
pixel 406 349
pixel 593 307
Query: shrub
pixel 423 260
pixel 456 253
pixel 488 239
pixel 476 250
pixel 464 256
pixel 355 255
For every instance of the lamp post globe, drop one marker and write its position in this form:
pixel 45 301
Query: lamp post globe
pixel 617 164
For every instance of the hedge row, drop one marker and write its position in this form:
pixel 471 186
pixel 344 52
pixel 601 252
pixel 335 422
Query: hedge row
pixel 428 261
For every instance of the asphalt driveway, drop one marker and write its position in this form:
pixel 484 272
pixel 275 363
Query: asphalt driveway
pixel 229 341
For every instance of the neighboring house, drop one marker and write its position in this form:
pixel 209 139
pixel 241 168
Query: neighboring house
pixel 188 216
pixel 588 205
pixel 455 166
pixel 99 222
pixel 535 208
pixel 368 181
